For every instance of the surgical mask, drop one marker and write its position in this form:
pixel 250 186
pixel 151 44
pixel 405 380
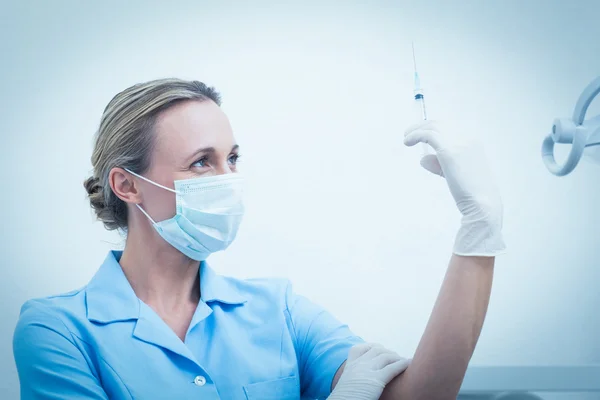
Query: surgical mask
pixel 209 211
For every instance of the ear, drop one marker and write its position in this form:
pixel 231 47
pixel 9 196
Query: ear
pixel 124 186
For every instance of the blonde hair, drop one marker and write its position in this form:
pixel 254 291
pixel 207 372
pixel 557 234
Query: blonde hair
pixel 125 138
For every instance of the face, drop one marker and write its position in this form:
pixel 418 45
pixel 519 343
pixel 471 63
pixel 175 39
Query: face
pixel 192 139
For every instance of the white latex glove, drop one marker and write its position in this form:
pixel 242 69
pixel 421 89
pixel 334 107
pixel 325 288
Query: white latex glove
pixel 471 183
pixel 368 369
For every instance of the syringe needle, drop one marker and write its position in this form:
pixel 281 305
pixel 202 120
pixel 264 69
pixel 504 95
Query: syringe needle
pixel 414 58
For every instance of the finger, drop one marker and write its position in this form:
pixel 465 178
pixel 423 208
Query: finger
pixel 375 350
pixel 427 124
pixel 424 136
pixel 385 359
pixel 392 370
pixel 359 350
pixel 432 164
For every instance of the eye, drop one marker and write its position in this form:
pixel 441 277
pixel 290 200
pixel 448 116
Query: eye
pixel 234 158
pixel 201 163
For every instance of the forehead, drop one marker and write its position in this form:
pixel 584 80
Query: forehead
pixel 191 125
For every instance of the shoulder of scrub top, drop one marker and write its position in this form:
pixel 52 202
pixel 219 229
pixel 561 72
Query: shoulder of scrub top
pixel 69 310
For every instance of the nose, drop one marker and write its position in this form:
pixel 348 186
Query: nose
pixel 223 168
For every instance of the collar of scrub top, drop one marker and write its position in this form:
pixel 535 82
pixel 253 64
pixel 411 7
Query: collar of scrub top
pixel 110 297
pixel 575 131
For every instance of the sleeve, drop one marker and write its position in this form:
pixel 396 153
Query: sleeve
pixel 49 364
pixel 322 344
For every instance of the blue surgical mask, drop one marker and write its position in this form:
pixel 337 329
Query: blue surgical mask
pixel 209 211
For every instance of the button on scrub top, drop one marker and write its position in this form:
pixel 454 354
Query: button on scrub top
pixel 248 339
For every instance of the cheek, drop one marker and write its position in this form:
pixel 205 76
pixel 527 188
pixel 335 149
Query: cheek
pixel 160 204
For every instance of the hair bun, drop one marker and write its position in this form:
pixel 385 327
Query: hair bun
pixel 92 185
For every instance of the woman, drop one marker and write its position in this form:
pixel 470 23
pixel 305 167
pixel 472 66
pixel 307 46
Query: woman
pixel 156 322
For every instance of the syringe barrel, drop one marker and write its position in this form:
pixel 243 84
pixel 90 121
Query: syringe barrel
pixel 420 100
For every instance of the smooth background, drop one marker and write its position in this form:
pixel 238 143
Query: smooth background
pixel 319 94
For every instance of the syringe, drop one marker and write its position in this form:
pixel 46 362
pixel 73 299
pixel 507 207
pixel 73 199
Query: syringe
pixel 419 97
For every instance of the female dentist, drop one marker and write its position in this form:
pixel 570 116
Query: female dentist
pixel 156 322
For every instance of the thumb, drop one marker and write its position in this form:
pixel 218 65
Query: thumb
pixel 431 163
pixel 428 136
pixel 394 369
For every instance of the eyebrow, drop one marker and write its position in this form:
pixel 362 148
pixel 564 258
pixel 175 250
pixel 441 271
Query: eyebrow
pixel 208 150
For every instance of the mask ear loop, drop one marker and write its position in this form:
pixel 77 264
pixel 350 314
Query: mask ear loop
pixel 155 184
pixel 152 182
pixel 146 214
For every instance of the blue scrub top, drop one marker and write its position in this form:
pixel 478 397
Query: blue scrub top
pixel 248 339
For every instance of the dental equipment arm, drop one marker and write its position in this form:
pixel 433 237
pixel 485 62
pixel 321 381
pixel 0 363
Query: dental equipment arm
pixel 578 132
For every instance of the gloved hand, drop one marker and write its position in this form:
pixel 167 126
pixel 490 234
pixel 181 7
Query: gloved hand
pixel 471 184
pixel 368 369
